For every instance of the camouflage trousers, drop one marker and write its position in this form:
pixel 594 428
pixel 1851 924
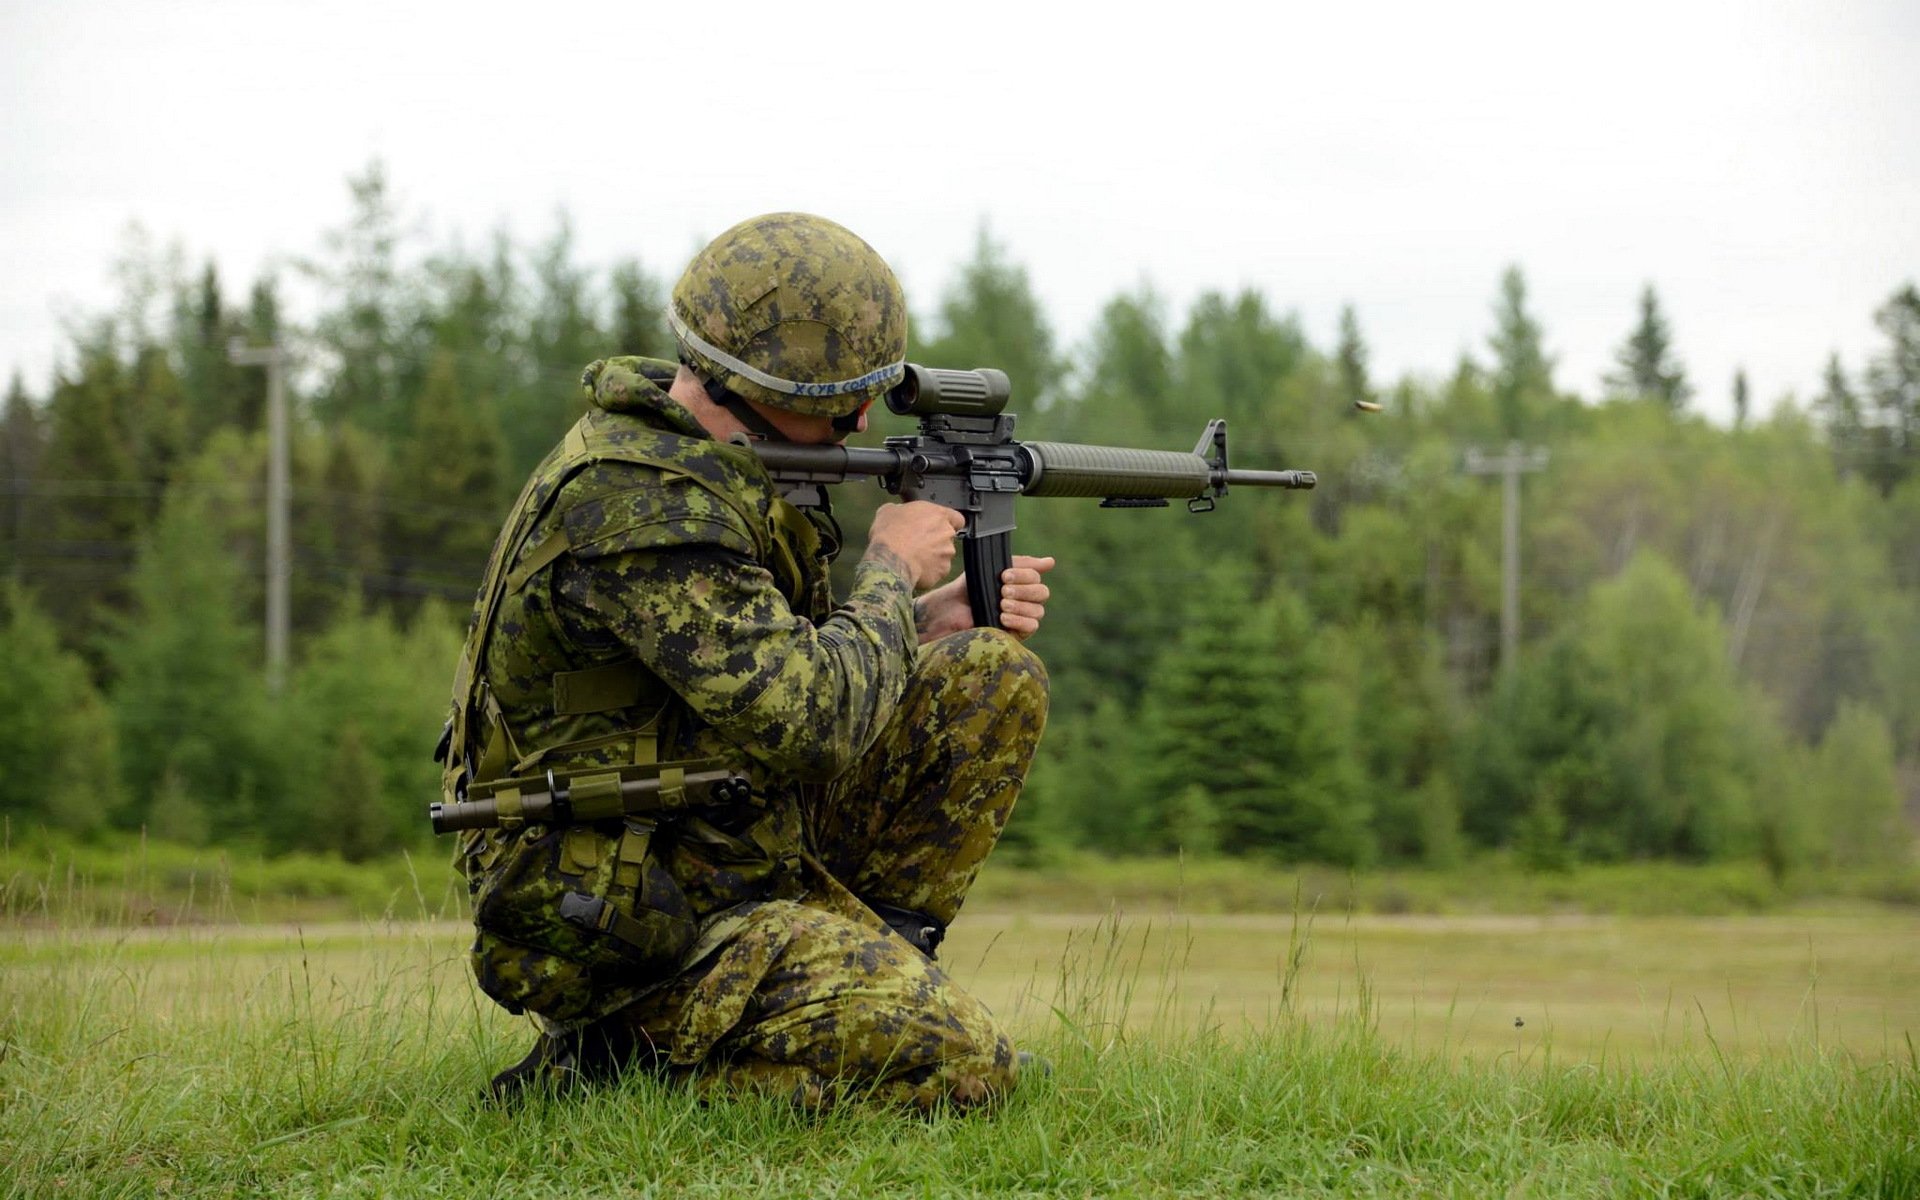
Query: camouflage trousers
pixel 817 999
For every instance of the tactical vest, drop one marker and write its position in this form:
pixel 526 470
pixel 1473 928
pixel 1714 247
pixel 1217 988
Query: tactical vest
pixel 574 921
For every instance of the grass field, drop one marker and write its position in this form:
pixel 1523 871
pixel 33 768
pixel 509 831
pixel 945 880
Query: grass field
pixel 1239 1054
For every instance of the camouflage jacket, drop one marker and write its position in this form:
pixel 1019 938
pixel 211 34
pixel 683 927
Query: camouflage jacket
pixel 688 589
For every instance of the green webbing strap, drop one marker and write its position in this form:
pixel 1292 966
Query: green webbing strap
pixel 506 802
pixel 591 912
pixel 673 788
pixel 598 689
pixel 632 854
pixel 551 547
pixel 467 677
pixel 595 797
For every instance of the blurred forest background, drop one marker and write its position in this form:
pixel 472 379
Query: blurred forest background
pixel 1719 626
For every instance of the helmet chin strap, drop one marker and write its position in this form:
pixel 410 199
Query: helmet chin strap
pixel 743 412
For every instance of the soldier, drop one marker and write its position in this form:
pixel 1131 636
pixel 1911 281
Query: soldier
pixel 654 605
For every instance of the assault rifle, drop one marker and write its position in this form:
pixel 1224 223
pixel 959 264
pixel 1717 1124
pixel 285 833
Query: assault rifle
pixel 965 458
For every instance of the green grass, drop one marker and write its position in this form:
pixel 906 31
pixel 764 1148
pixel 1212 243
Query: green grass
pixel 347 1061
pixel 122 881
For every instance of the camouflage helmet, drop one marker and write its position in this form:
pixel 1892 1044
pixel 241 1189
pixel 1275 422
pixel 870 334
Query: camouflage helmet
pixel 793 311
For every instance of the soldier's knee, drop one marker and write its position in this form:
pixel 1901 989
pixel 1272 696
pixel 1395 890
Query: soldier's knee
pixel 999 662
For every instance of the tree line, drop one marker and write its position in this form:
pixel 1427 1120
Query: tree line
pixel 1720 626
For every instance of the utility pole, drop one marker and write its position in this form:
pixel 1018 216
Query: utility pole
pixel 1509 466
pixel 279 500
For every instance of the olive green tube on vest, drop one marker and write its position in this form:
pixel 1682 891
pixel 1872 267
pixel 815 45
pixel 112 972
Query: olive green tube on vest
pixel 604 795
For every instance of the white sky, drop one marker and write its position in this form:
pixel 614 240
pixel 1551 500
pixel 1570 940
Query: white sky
pixel 1757 160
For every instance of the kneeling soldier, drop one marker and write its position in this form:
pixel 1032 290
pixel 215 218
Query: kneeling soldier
pixel 654 612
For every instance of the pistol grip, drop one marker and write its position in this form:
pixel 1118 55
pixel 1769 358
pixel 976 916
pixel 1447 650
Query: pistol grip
pixel 984 558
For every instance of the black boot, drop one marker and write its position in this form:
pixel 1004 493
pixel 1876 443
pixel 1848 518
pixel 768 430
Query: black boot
pixel 923 932
pixel 508 1087
pixel 595 1054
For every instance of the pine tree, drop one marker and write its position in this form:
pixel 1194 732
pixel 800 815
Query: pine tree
pixel 1522 372
pixel 1235 360
pixel 1350 358
pixel 56 740
pixel 564 335
pixel 990 317
pixel 185 694
pixel 96 496
pixel 1102 635
pixel 363 338
pixel 1631 728
pixel 445 487
pixel 352 817
pixel 1647 368
pixel 1893 384
pixel 364 704
pixel 1244 709
pixel 22 444
pixel 216 389
pixel 1839 408
pixel 639 313
pixel 1856 790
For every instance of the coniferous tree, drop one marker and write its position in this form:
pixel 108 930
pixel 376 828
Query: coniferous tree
pixel 185 692
pixel 218 392
pixel 445 488
pixel 1522 372
pixel 1351 358
pixel 343 523
pixel 1218 716
pixel 1243 708
pixel 363 338
pixel 94 495
pixel 1645 362
pixel 1235 360
pixel 1740 398
pixel 1893 384
pixel 564 335
pixel 1630 732
pixel 639 313
pixel 1856 790
pixel 57 739
pixel 990 317
pixel 1840 411
pixel 22 443
pixel 368 679
pixel 1111 626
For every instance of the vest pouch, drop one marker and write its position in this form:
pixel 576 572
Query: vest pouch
pixel 719 869
pixel 565 916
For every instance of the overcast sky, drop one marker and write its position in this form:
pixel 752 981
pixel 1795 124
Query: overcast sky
pixel 1758 161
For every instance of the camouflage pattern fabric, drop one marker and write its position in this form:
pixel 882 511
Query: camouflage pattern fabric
pixel 811 316
pixel 885 770
pixel 819 1000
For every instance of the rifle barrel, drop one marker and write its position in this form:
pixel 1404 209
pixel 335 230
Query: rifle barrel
pixel 1279 479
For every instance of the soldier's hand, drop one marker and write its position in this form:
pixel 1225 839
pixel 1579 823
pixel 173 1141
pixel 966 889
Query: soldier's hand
pixel 1023 595
pixel 1023 602
pixel 918 535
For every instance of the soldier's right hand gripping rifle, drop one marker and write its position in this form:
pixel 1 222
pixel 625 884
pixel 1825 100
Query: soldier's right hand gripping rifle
pixel 965 458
